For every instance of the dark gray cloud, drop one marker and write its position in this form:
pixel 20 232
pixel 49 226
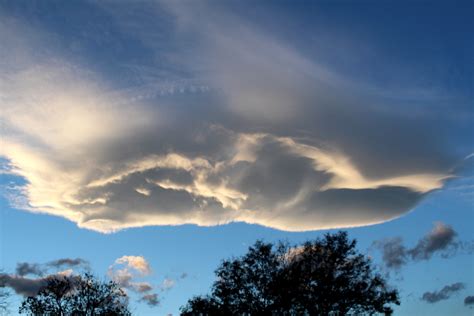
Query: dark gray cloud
pixel 143 287
pixel 394 253
pixel 26 286
pixel 469 300
pixel 68 262
pixel 443 294
pixel 21 285
pixel 37 269
pixel 25 268
pixel 440 240
pixel 42 272
pixel 151 299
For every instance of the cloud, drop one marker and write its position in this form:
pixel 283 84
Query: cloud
pixel 394 253
pixel 37 269
pixel 25 268
pixel 168 284
pixel 440 240
pixel 137 263
pixel 151 299
pixel 445 293
pixel 21 285
pixel 469 300
pixel 28 286
pixel 236 125
pixel 126 270
pixel 142 287
pixel 68 262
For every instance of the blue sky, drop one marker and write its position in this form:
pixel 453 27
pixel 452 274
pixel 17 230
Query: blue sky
pixel 181 132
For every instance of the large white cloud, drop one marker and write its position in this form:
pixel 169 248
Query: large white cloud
pixel 253 132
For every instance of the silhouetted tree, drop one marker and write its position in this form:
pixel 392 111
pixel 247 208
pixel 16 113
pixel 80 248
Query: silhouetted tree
pixel 78 296
pixel 3 301
pixel 4 295
pixel 323 277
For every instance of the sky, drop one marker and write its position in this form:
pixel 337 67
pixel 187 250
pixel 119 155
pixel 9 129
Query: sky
pixel 147 141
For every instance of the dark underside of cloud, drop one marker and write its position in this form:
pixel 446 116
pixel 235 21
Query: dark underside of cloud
pixel 164 114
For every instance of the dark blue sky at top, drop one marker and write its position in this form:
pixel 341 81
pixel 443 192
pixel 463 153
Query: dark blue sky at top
pixel 419 45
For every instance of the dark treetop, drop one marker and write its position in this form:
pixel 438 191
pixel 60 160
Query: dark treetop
pixel 322 277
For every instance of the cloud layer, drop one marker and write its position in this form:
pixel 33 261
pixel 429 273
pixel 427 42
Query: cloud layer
pixel 244 128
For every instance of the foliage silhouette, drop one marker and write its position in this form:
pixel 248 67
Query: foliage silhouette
pixel 77 296
pixel 326 276
pixel 4 295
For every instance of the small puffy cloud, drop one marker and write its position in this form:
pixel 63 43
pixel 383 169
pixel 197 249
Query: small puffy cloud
pixel 150 299
pixel 469 300
pixel 141 287
pixel 122 277
pixel 137 263
pixel 128 272
pixel 25 268
pixel 445 293
pixel 440 240
pixel 168 284
pixel 394 253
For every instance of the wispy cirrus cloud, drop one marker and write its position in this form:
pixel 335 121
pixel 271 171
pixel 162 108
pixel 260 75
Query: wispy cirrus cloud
pixel 236 125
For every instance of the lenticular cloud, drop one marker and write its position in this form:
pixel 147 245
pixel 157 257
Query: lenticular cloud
pixel 257 133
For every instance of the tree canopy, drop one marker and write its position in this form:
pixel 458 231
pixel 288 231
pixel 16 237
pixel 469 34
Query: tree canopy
pixel 78 296
pixel 3 301
pixel 327 276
